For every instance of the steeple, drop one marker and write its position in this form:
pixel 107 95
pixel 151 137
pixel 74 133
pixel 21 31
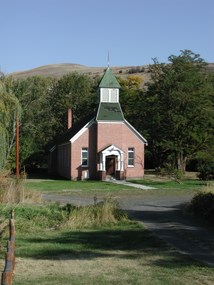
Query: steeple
pixel 109 80
pixel 109 107
pixel 109 87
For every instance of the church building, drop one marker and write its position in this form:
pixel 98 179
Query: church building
pixel 103 147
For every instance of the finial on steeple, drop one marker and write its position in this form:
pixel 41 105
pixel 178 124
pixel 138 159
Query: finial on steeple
pixel 108 59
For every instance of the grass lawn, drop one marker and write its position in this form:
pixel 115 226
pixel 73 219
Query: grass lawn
pixel 125 253
pixel 122 253
pixel 103 186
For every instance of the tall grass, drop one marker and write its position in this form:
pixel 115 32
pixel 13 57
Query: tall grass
pixel 14 191
pixel 41 218
pixel 105 213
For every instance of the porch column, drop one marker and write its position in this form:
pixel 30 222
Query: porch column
pixel 102 162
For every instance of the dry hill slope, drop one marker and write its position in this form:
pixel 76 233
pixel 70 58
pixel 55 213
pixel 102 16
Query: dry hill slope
pixel 58 70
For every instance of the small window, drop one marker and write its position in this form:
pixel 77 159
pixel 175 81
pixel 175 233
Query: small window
pixel 113 94
pixel 84 156
pixel 105 95
pixel 130 156
pixel 109 95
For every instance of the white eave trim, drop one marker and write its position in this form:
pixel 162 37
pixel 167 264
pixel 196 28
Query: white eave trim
pixel 136 132
pixel 81 131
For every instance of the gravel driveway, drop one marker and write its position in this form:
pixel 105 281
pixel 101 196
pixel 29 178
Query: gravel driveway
pixel 164 216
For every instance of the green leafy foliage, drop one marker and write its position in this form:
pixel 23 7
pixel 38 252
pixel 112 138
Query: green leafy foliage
pixel 202 205
pixel 179 113
pixel 44 104
pixel 206 170
pixel 73 91
pixel 9 110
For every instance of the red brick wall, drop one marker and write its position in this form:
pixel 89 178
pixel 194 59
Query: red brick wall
pixel 98 137
pixel 122 137
pixel 87 139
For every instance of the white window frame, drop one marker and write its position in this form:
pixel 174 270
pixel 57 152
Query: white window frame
pixel 84 156
pixel 131 156
pixel 107 95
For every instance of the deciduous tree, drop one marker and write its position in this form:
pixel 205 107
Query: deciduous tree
pixel 179 111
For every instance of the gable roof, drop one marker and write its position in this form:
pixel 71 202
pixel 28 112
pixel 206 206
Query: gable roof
pixel 109 112
pixel 74 132
pixel 70 133
pixel 109 80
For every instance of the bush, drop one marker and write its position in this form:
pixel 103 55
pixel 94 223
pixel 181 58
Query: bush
pixel 105 213
pixel 206 170
pixel 202 205
pixel 169 170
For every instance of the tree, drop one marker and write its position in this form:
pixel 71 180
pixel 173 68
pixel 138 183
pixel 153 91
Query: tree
pixel 36 124
pixel 131 99
pixel 9 110
pixel 179 110
pixel 44 104
pixel 75 91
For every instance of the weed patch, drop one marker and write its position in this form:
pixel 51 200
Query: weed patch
pixel 14 191
pixel 97 215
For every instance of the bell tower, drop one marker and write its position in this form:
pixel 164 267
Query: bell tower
pixel 109 88
pixel 109 105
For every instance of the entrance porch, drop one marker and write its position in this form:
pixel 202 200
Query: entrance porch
pixel 111 163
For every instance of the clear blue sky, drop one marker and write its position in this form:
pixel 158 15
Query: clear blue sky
pixel 40 32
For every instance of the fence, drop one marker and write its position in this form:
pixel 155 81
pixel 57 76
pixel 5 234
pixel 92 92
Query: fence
pixel 9 269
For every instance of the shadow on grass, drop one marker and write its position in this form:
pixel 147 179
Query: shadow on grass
pixel 122 244
pixel 78 242
pixel 128 241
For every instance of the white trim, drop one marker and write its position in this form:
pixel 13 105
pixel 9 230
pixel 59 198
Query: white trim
pixel 84 150
pixel 108 95
pixel 131 150
pixel 138 135
pixel 81 131
pixel 111 150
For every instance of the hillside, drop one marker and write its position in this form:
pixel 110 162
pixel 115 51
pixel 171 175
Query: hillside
pixel 58 70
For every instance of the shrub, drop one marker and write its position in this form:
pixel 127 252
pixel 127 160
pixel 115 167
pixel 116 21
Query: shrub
pixel 202 205
pixel 169 170
pixel 206 170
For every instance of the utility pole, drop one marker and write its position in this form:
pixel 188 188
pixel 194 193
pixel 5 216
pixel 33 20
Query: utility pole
pixel 17 147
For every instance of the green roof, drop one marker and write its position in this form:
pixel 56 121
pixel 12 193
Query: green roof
pixel 110 112
pixel 109 80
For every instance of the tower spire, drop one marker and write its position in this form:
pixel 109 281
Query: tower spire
pixel 108 59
